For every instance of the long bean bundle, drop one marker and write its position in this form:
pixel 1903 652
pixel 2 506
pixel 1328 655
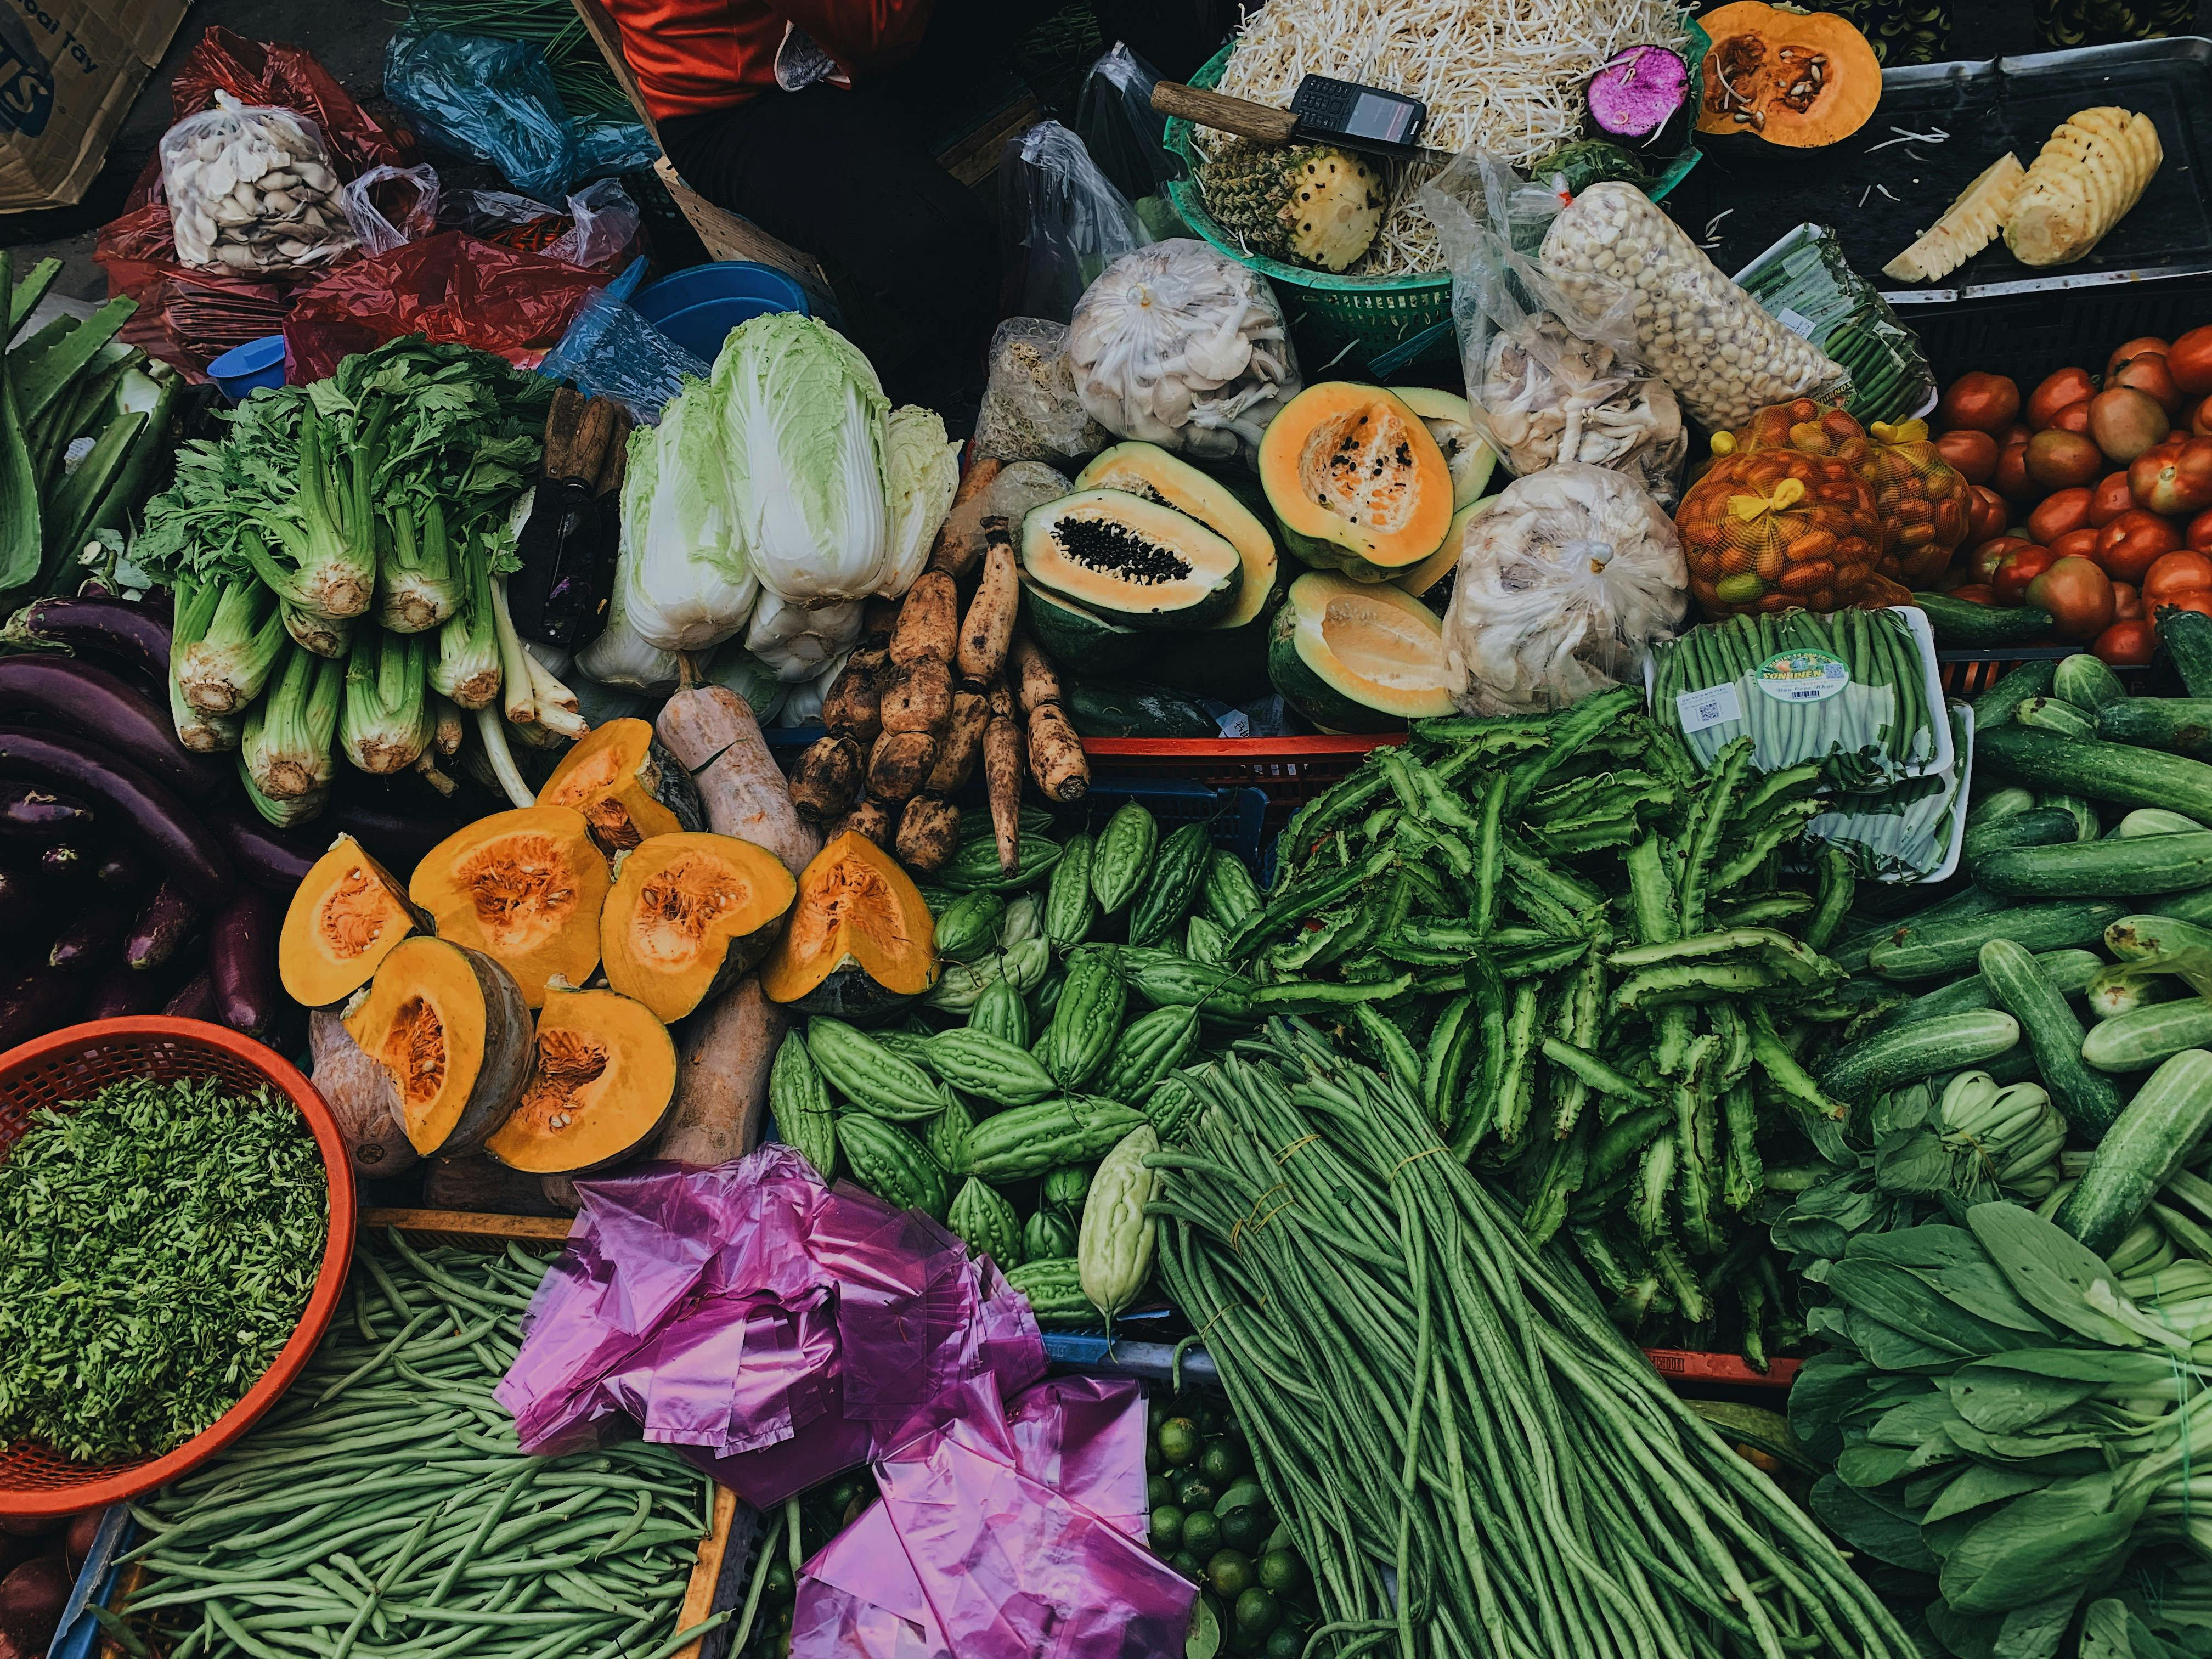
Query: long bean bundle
pixel 384 1510
pixel 1472 1460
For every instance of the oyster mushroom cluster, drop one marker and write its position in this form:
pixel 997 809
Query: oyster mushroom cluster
pixel 250 189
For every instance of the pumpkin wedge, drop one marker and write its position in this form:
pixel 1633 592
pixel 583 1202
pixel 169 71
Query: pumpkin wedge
pixel 448 1025
pixel 627 787
pixel 860 940
pixel 1800 79
pixel 525 887
pixel 687 913
pixel 347 914
pixel 605 1076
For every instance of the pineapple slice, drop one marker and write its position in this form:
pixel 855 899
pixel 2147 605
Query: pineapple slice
pixel 2083 182
pixel 1970 224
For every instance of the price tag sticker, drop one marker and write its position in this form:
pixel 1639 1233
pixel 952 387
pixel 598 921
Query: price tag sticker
pixel 1235 724
pixel 1796 321
pixel 1717 705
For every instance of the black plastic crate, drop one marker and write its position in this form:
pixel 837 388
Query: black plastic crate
pixel 2026 335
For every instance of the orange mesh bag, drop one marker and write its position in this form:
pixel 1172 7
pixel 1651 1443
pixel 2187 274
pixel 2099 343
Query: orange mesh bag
pixel 1772 528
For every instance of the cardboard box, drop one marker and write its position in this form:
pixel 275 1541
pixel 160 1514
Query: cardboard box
pixel 69 70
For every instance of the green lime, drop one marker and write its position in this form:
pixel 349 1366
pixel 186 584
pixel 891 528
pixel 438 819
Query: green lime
pixel 1281 1571
pixel 1255 1609
pixel 1213 1416
pixel 1159 1491
pixel 1222 1462
pixel 1178 1441
pixel 1243 1529
pixel 1187 1564
pixel 1196 1492
pixel 1230 1571
pixel 1284 1643
pixel 1242 1640
pixel 1167 1527
pixel 779 1583
pixel 1155 1459
pixel 1202 1534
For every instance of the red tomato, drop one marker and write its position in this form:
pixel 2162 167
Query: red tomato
pixel 2075 417
pixel 2076 544
pixel 2198 599
pixel 2174 479
pixel 2190 360
pixel 1987 515
pixel 2133 542
pixel 2078 594
pixel 1987 402
pixel 2198 536
pixel 2055 392
pixel 2019 432
pixel 1975 593
pixel 2175 572
pixel 2111 498
pixel 1982 563
pixel 2200 419
pixel 2126 644
pixel 2134 348
pixel 2020 566
pixel 1974 455
pixel 2010 480
pixel 2147 372
pixel 2056 514
pixel 2127 602
pixel 2063 461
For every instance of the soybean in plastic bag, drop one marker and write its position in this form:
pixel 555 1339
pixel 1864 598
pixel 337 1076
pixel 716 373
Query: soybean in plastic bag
pixel 251 188
pixel 1030 411
pixel 1064 220
pixel 1551 375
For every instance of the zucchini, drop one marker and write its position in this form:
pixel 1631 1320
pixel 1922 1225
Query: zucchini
pixel 2179 725
pixel 2119 868
pixel 2069 971
pixel 1926 947
pixel 2160 1127
pixel 2137 1041
pixel 2084 681
pixel 1905 1054
pixel 1960 624
pixel 2039 826
pixel 2117 772
pixel 2085 1098
pixel 2187 638
pixel 1996 706
pixel 2155 821
pixel 2056 714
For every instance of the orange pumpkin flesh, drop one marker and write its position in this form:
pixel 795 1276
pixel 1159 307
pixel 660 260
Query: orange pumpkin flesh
pixel 346 915
pixel 628 788
pixel 859 933
pixel 689 913
pixel 525 887
pixel 604 1079
pixel 448 1024
pixel 1800 79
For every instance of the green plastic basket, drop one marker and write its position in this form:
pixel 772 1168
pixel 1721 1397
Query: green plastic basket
pixel 1387 322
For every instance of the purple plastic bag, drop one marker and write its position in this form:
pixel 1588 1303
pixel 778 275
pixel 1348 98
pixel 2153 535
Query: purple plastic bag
pixel 774 1329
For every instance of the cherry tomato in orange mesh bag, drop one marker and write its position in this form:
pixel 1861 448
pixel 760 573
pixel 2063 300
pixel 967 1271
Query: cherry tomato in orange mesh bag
pixel 1778 528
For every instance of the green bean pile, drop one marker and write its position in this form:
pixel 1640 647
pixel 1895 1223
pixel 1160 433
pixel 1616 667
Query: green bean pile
pixel 384 1510
pixel 1470 1459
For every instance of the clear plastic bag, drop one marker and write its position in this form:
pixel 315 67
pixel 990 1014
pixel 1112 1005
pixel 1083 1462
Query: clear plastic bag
pixel 251 188
pixel 602 220
pixel 387 205
pixel 1912 830
pixel 1551 375
pixel 1013 492
pixel 1031 411
pixel 1064 221
pixel 493 101
pixel 1565 580
pixel 1125 134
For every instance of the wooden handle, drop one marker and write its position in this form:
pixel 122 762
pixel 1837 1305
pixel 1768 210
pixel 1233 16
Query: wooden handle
pixel 617 454
pixel 589 449
pixel 561 422
pixel 1211 109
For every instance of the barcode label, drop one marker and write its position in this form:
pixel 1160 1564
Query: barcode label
pixel 1796 322
pixel 1235 724
pixel 1715 705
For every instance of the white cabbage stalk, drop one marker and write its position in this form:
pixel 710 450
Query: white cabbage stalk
pixel 688 583
pixel 922 466
pixel 803 420
pixel 797 642
pixel 736 669
pixel 802 704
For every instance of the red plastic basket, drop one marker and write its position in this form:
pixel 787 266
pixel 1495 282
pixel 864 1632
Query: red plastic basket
pixel 71 1063
pixel 1291 771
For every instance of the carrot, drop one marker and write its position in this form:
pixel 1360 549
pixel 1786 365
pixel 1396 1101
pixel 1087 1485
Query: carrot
pixel 929 620
pixel 723 1053
pixel 362 1097
pixel 869 819
pixel 948 554
pixel 989 628
pixel 929 834
pixel 1002 776
pixel 898 764
pixel 852 708
pixel 958 750
pixel 827 779
pixel 712 732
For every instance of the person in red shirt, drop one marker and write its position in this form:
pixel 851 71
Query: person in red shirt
pixel 812 118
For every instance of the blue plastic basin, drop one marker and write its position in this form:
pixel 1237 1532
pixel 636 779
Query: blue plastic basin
pixel 244 370
pixel 698 307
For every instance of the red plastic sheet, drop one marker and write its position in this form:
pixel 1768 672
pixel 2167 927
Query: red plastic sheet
pixel 448 287
pixel 288 77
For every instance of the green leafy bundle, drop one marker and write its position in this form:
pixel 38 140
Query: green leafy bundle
pixel 157 1244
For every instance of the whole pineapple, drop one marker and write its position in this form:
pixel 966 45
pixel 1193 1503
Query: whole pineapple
pixel 1311 204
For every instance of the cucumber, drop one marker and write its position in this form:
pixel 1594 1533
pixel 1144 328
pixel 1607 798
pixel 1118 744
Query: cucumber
pixel 1905 1054
pixel 2069 971
pixel 2085 1098
pixel 2138 1040
pixel 1996 706
pixel 2179 725
pixel 1960 624
pixel 1999 804
pixel 2155 821
pixel 1926 947
pixel 2194 905
pixel 2087 682
pixel 1099 708
pixel 2055 714
pixel 2159 1129
pixel 2117 772
pixel 2187 637
pixel 2087 824
pixel 2039 826
pixel 2120 868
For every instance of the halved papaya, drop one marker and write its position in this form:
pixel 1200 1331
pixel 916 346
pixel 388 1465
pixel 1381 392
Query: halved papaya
pixel 1131 559
pixel 1356 657
pixel 1356 483
pixel 687 913
pixel 1146 470
pixel 604 1079
pixel 525 887
pixel 1451 422
pixel 346 915
pixel 860 940
pixel 1420 579
pixel 448 1025
pixel 627 787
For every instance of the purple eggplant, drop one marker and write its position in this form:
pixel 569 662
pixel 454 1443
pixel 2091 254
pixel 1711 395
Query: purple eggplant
pixel 114 630
pixel 241 960
pixel 396 839
pixel 169 831
pixel 264 854
pixel 89 938
pixel 28 813
pixel 121 871
pixel 64 860
pixel 19 903
pixel 108 710
pixel 195 1001
pixel 36 1001
pixel 122 991
pixel 160 928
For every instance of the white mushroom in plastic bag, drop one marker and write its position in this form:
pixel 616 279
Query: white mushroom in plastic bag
pixel 1183 346
pixel 251 189
pixel 1565 578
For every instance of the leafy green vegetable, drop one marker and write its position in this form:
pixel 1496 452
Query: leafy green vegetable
pixel 157 1244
